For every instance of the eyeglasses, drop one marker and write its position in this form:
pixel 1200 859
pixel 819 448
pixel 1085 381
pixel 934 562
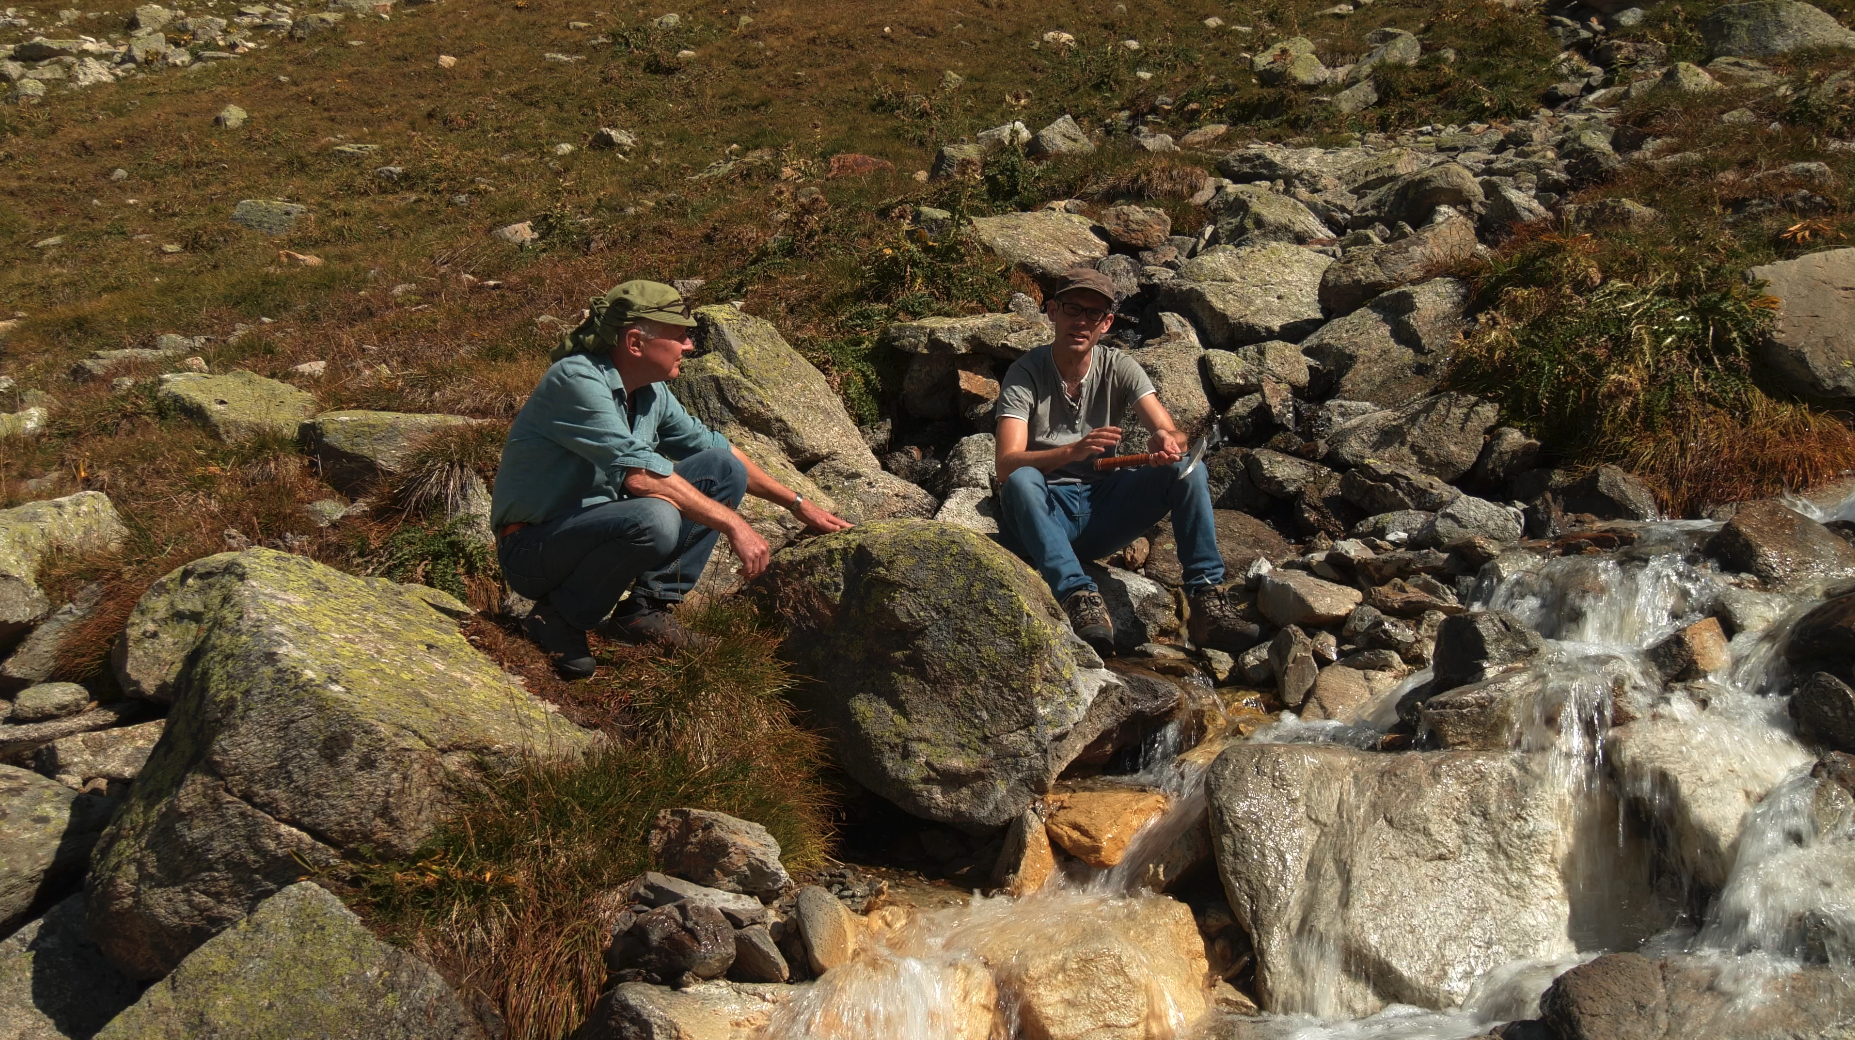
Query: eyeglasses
pixel 1090 315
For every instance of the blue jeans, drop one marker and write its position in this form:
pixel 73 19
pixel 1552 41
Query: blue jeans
pixel 1054 527
pixel 585 559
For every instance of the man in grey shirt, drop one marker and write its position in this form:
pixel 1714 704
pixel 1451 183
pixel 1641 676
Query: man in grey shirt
pixel 1057 407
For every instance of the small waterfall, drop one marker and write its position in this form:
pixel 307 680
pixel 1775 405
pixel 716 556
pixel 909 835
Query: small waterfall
pixel 1782 896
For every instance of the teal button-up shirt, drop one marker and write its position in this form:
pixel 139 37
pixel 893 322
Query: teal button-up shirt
pixel 573 441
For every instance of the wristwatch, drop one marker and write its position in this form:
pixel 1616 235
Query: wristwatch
pixel 797 501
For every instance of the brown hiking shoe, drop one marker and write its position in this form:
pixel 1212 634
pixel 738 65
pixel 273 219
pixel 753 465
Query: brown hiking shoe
pixel 651 623
pixel 565 645
pixel 1219 622
pixel 1088 615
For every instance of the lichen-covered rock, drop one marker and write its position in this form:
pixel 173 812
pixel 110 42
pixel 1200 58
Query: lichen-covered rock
pixel 868 492
pixel 1251 294
pixel 84 522
pixel 1392 349
pixel 1042 244
pixel 54 983
pixel 237 406
pixel 1252 214
pixel 1365 272
pixel 1360 845
pixel 1767 27
pixel 36 658
pixel 745 375
pixel 300 965
pixel 46 835
pixel 1414 197
pixel 1439 435
pixel 1007 335
pixel 705 1011
pixel 942 666
pixel 356 447
pixel 314 713
pixel 116 754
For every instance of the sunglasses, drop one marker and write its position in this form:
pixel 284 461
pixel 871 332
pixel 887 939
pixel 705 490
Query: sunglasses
pixel 1091 315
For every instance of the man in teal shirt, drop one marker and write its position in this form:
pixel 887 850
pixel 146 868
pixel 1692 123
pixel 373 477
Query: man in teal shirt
pixel 608 484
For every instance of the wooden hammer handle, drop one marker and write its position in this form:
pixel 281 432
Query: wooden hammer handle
pixel 1125 461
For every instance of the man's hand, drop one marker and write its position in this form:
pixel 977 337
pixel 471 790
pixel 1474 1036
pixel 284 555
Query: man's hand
pixel 1096 441
pixel 1169 445
pixel 817 520
pixel 751 548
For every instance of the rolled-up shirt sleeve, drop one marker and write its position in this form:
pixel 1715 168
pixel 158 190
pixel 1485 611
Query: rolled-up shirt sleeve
pixel 585 420
pixel 1016 397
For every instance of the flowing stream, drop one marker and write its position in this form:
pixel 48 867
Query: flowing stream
pixel 1787 896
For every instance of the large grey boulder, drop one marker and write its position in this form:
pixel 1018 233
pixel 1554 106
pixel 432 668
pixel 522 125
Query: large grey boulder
pixel 84 522
pixel 1368 271
pixel 864 493
pixel 942 666
pixel 314 714
pixel 1481 643
pixel 745 377
pixel 1413 198
pixel 1781 547
pixel 302 965
pixel 1007 335
pixel 1042 244
pixel 1173 364
pixel 1249 295
pixel 1809 349
pixel 54 983
pixel 1360 845
pixel 1062 137
pixel 1238 373
pixel 1440 435
pixel 1391 350
pixel 47 832
pixel 354 448
pixel 237 406
pixel 1767 27
pixel 1252 215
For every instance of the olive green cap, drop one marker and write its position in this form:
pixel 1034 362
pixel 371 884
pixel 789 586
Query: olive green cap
pixel 633 300
pixel 623 304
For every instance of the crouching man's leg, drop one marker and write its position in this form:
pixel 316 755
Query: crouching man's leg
pixel 646 616
pixel 576 566
pixel 1038 521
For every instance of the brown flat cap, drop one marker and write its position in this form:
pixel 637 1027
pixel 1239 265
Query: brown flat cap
pixel 1084 278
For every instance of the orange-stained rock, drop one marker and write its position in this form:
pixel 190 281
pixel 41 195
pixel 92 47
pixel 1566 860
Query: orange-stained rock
pixel 1026 862
pixel 1096 826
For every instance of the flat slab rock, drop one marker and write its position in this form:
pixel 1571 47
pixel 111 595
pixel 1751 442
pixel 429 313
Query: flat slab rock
pixel 300 965
pixel 237 406
pixel 54 983
pixel 1042 243
pixel 47 832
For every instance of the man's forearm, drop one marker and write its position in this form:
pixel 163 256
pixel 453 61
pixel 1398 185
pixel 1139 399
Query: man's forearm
pixel 1043 461
pixel 688 500
pixel 761 484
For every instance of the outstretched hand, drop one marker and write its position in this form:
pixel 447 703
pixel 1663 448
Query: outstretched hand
pixel 818 520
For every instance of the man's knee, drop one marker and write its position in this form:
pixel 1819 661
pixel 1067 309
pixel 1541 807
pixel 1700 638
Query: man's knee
pixel 1184 484
pixel 1025 484
pixel 659 524
pixel 726 477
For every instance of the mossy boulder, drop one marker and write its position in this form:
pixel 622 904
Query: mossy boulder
pixel 237 406
pixel 356 447
pixel 943 667
pixel 316 716
pixel 46 833
pixel 301 965
pixel 84 522
pixel 745 376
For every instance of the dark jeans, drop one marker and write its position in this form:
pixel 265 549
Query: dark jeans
pixel 1054 527
pixel 585 559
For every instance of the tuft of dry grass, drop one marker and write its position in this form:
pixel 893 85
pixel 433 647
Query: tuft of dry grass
pixel 512 900
pixel 441 471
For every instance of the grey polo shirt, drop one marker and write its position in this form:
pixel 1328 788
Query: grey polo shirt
pixel 1032 390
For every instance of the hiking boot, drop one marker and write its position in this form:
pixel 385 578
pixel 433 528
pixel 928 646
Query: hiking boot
pixel 1219 622
pixel 1088 615
pixel 649 622
pixel 564 644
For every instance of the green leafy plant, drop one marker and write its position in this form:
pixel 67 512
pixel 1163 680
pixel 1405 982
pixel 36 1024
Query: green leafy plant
pixel 442 557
